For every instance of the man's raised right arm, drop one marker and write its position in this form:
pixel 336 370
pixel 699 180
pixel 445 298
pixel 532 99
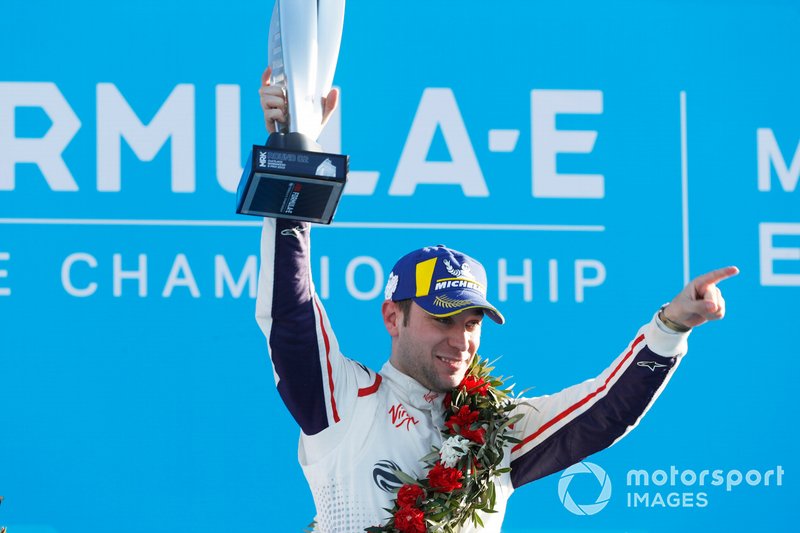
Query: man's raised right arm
pixel 315 381
pixel 299 337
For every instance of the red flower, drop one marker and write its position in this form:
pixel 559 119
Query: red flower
pixel 408 495
pixel 448 398
pixel 474 385
pixel 410 520
pixel 444 479
pixel 464 420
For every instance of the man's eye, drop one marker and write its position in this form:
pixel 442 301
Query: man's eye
pixel 444 320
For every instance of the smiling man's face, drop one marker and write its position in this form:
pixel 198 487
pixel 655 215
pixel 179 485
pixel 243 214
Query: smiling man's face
pixel 433 350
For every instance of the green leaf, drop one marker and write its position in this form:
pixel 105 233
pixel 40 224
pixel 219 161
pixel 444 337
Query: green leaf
pixel 433 456
pixel 512 420
pixel 438 516
pixel 405 478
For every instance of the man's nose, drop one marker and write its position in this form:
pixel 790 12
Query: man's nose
pixel 460 338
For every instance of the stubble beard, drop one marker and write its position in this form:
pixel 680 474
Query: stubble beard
pixel 436 380
pixel 423 370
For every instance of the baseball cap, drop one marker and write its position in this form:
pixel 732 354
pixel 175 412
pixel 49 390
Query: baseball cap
pixel 442 281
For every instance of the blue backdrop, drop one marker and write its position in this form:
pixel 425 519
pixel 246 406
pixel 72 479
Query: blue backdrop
pixel 593 155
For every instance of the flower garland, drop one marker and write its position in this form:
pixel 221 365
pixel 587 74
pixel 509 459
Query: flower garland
pixel 460 477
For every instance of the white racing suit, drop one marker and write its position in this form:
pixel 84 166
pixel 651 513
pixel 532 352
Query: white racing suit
pixel 360 426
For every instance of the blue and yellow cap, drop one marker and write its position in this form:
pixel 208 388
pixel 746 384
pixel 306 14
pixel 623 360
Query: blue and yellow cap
pixel 442 281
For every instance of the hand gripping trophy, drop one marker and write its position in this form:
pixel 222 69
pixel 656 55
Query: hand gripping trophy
pixel 291 177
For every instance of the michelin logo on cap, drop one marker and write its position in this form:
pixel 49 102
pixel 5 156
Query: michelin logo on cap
pixel 459 284
pixel 464 271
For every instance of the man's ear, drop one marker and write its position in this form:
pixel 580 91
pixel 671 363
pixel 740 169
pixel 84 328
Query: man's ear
pixel 392 317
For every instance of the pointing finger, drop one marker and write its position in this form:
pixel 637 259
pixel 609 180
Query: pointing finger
pixel 710 278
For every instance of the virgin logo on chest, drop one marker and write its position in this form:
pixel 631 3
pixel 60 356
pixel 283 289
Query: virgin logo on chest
pixel 400 418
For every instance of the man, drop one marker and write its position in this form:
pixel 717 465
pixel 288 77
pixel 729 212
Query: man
pixel 360 427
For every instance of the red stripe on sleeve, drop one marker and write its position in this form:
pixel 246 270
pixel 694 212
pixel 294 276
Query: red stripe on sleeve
pixel 328 361
pixel 580 403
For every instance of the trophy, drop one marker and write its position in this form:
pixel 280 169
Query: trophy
pixel 291 177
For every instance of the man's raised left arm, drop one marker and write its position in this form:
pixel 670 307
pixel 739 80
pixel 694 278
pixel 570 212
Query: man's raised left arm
pixel 562 429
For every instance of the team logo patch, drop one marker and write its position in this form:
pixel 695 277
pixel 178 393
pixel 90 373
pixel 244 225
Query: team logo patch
pixel 401 418
pixel 652 365
pixel 449 303
pixel 293 232
pixel 383 474
pixel 430 396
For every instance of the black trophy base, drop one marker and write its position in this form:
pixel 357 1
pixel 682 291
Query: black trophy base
pixel 292 178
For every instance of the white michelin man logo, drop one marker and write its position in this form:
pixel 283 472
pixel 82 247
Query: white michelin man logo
pixel 585 508
pixel 464 271
pixel 391 286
